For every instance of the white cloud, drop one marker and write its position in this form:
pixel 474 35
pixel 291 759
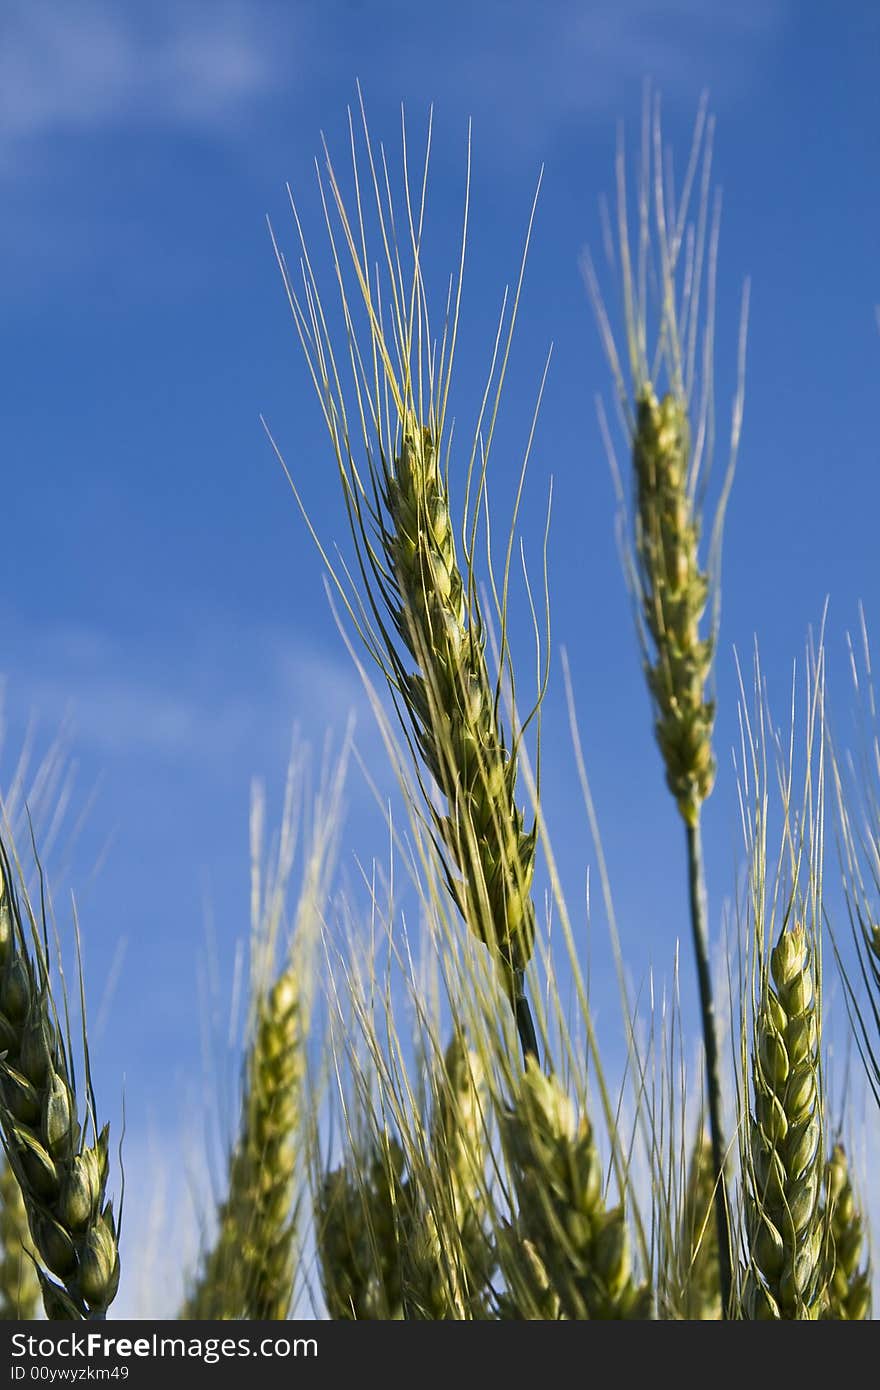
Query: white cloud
pixel 65 67
pixel 117 697
pixel 526 69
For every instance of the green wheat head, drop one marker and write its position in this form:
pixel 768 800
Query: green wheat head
pixel 847 1270
pixel 417 607
pixel 359 1214
pixel 698 1239
pixel 785 1128
pixel 19 1285
pixel 573 1240
pixel 249 1271
pixel 674 594
pixel 62 1178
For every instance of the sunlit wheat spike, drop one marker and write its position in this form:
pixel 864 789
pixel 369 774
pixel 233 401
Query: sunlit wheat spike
pixel 19 1286
pixel 698 1243
pixel 582 1244
pixel 784 1216
pixel 249 1271
pixel 847 1269
pixel 529 1295
pixel 360 1231
pixel 383 381
pixel 62 1179
pixel 450 1258
pixel 674 594
pixel 453 709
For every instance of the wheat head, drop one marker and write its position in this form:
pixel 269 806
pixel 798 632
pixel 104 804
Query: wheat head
pixel 581 1244
pixel 63 1180
pixel 785 1139
pixel 847 1279
pixel 19 1285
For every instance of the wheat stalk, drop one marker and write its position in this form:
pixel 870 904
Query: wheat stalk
pixel 62 1180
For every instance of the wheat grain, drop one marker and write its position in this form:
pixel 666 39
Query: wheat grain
pixel 415 594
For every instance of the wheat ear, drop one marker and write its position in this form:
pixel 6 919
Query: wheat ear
pixel 581 1244
pixel 675 592
pixel 249 1271
pixel 698 1242
pixel 785 1139
pixel 398 508
pixel 62 1180
pixel 19 1285
pixel 450 1258
pixel 454 713
pixel 847 1279
pixel 359 1213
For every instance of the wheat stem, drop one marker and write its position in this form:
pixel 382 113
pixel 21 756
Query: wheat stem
pixel 697 892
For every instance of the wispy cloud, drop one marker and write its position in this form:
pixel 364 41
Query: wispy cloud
pixel 531 68
pixel 240 688
pixel 96 64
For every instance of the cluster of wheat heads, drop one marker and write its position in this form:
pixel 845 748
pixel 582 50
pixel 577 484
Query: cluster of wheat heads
pixel 440 1138
pixel 417 596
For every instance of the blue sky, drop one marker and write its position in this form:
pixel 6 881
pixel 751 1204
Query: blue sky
pixel 160 597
